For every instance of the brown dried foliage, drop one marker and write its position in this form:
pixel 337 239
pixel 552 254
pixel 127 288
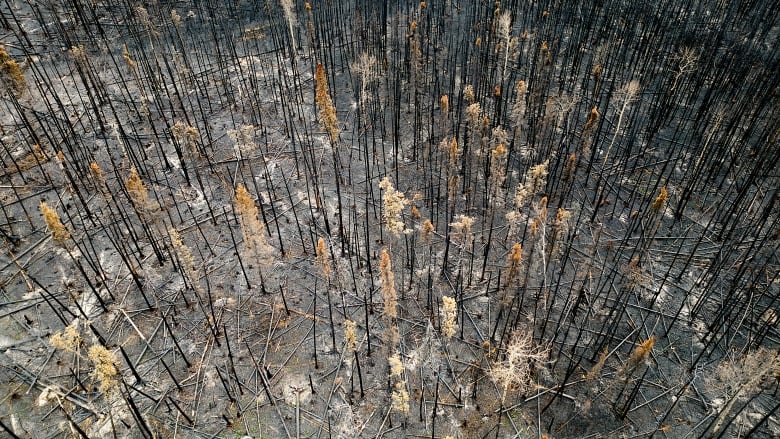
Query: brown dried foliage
pixel 445 104
pixel 449 318
pixel 327 111
pixel 68 340
pixel 128 60
pixel 660 201
pixel 106 368
pixel 251 227
pixel 596 369
pixel 389 294
pixel 393 203
pixel 186 134
pixel 641 353
pixel 11 71
pixel 58 231
pixel 137 189
pixel 427 229
pixel 322 257
pixel 515 371
pixel 514 261
pixel 593 117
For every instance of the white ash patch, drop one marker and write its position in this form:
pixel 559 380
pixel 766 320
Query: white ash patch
pixel 295 387
pixel 6 342
pixel 426 354
pixel 210 379
pixel 34 294
pixel 110 262
pixel 90 304
pixel 304 198
pixel 346 424
pixel 47 395
pixel 104 427
pixel 224 301
pixel 173 159
pixel 663 295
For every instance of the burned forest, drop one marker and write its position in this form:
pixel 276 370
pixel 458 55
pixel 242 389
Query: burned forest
pixel 389 219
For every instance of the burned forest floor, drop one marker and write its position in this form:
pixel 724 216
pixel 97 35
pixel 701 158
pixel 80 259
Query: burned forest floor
pixel 347 219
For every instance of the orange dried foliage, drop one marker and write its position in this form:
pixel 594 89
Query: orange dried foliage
pixel 58 231
pixel 427 229
pixel 445 104
pixel 642 352
pixel 515 259
pixel 11 70
pixel 136 188
pixel 327 111
pixel 593 117
pixel 389 294
pixel 415 213
pixel 322 257
pixel 660 201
